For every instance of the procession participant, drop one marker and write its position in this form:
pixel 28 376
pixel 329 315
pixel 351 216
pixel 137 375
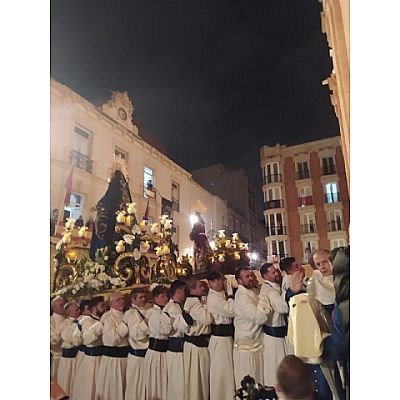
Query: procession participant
pixel 71 339
pixel 111 380
pixel 292 270
pixel 58 316
pixel 155 368
pixel 85 311
pixel 249 318
pixel 275 328
pixel 180 321
pixel 138 337
pixel 222 381
pixel 86 372
pixel 320 285
pixel 85 308
pixel 195 352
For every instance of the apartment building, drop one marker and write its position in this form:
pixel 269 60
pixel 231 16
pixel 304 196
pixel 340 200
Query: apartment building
pixel 306 201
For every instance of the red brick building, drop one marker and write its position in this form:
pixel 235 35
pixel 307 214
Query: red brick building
pixel 306 201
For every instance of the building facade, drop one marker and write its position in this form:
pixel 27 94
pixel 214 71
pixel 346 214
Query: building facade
pixel 306 201
pixel 335 23
pixel 239 191
pixel 90 138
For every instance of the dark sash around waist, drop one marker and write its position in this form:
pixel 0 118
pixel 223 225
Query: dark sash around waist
pixel 81 348
pixel 222 330
pixel 119 352
pixel 70 353
pixel 137 352
pixel 94 351
pixel 198 341
pixel 275 331
pixel 175 344
pixel 160 345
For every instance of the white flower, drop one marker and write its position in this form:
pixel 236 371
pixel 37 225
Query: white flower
pixel 70 223
pixel 154 228
pixel 121 216
pixel 82 232
pixel 131 208
pixel 103 277
pixel 228 244
pixel 158 251
pixel 221 233
pixel 144 247
pixel 235 236
pixel 221 258
pixel 116 281
pixel 163 219
pixel 92 269
pixel 59 245
pixel 136 254
pixel 168 224
pixel 66 237
pixel 105 258
pixel 102 267
pixel 120 246
pixel 88 278
pixel 94 283
pixel 165 249
pixel 73 291
pixel 136 230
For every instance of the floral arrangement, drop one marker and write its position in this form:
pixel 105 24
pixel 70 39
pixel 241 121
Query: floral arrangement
pixel 229 252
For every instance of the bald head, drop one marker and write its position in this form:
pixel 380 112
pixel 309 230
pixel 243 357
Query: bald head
pixel 117 301
pixel 57 305
pixel 294 379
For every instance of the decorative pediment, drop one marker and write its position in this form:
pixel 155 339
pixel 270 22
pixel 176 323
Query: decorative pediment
pixel 120 109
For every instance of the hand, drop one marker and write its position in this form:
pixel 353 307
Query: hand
pixel 296 283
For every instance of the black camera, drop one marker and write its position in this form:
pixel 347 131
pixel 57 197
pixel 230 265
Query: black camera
pixel 255 391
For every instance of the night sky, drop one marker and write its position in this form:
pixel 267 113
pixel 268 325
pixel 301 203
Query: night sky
pixel 220 77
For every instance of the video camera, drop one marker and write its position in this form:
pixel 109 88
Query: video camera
pixel 254 391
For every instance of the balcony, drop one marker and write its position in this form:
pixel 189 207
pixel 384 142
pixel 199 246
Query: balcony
pixel 328 170
pixel 305 201
pixel 331 198
pixel 308 228
pixel 275 230
pixel 81 161
pixel 335 226
pixel 270 204
pixel 302 175
pixel 272 178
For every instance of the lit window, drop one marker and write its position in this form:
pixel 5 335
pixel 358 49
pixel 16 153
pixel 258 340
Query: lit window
pixel 148 180
pixel 121 154
pixel 175 196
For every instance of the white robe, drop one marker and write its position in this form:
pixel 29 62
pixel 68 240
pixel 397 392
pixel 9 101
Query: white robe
pixel 275 349
pixel 111 379
pixel 222 380
pixel 55 341
pixel 155 364
pixel 321 288
pixel 138 340
pixel 175 362
pixel 197 359
pixel 86 372
pixel 71 337
pixel 248 344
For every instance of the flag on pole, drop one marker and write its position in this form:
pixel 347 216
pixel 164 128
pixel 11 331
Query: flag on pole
pixel 68 185
pixel 146 213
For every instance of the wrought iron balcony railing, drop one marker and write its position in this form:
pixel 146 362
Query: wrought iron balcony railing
pixel 270 204
pixel 334 226
pixel 272 178
pixel 81 161
pixel 305 201
pixel 328 170
pixel 332 198
pixel 305 174
pixel 308 228
pixel 275 230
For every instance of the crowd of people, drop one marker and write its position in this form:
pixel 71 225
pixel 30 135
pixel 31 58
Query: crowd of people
pixel 200 339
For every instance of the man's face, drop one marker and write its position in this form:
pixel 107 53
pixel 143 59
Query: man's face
pixel 180 295
pixel 58 306
pixel 86 310
pixel 247 279
pixel 100 309
pixel 74 311
pixel 139 300
pixel 293 268
pixel 273 275
pixel 200 289
pixel 217 284
pixel 162 299
pixel 118 302
pixel 321 261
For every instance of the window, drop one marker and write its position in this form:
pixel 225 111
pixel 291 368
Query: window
pixel 276 224
pixel 328 166
pixel 331 193
pixel 230 222
pixel 302 170
pixel 273 194
pixel 175 234
pixel 336 220
pixel 121 154
pixel 271 173
pixel 338 243
pixel 148 179
pixel 308 248
pixel 308 223
pixel 304 191
pixel 75 207
pixel 277 248
pixel 80 141
pixel 175 196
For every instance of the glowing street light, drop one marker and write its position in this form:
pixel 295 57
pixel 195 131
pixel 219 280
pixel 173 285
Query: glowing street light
pixel 194 219
pixel 254 256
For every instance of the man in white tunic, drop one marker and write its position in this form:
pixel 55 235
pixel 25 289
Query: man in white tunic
pixel 249 319
pixel 86 372
pixel 155 363
pixel 58 316
pixel 275 328
pixel 195 351
pixel 138 337
pixel 180 321
pixel 222 381
pixel 71 339
pixel 111 380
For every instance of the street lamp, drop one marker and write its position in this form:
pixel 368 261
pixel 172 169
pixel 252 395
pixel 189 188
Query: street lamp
pixel 194 218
